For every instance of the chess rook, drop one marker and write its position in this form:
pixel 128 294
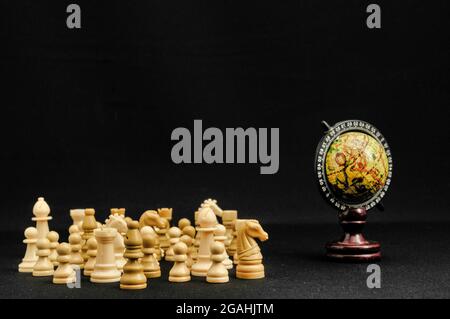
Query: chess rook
pixel 77 216
pixel 105 268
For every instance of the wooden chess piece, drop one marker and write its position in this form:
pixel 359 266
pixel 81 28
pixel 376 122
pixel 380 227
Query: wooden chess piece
pixel 228 219
pixel 121 212
pixel 133 272
pixel 197 234
pixel 190 245
pixel 30 258
pixel 179 272
pixel 92 253
pixel 192 250
pixel 166 214
pixel 218 273
pixel 174 234
pixel 249 254
pixel 208 221
pixel 219 236
pixel 75 254
pixel 151 218
pixel 118 222
pixel 89 225
pixel 53 237
pixel 149 262
pixel 183 222
pixel 41 210
pixel 64 274
pixel 77 216
pixel 353 246
pixel 43 266
pixel 105 267
pixel 148 230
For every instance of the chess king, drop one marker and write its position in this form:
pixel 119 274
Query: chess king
pixel 354 170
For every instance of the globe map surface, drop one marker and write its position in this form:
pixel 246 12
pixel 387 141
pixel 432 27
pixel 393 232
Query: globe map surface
pixel 353 165
pixel 356 167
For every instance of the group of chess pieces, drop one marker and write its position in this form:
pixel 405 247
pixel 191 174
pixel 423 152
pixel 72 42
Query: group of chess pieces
pixel 129 251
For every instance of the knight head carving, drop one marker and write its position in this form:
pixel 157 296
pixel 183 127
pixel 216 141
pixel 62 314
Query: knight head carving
pixel 252 228
pixel 151 218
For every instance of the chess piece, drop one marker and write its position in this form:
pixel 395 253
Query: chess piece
pixel 179 272
pixel 151 218
pixel 218 273
pixel 150 231
pixel 197 234
pixel 105 268
pixel 166 214
pixel 212 203
pixel 219 236
pixel 162 234
pixel 74 229
pixel 89 225
pixel 133 272
pixel 149 262
pixel 249 254
pixel 53 237
pixel 64 274
pixel 190 247
pixel 92 253
pixel 174 234
pixel 75 246
pixel 99 225
pixel 77 216
pixel 118 222
pixel 192 250
pixel 121 212
pixel 41 210
pixel 43 266
pixel 228 219
pixel 30 258
pixel 183 222
pixel 208 221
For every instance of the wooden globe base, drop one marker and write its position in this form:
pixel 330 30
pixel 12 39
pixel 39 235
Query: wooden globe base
pixel 353 247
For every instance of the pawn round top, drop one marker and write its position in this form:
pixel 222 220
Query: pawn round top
pixel 189 230
pixel 128 219
pixel 217 248
pixel 180 248
pixel 63 249
pixel 41 208
pixel 31 233
pixel 174 232
pixel 149 240
pixel 92 243
pixel 183 222
pixel 74 229
pixel 187 240
pixel 75 239
pixel 207 218
pixel 89 212
pixel 148 230
pixel 43 243
pixel 132 224
pixel 53 236
pixel 220 230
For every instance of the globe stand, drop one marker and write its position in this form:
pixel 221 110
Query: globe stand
pixel 353 247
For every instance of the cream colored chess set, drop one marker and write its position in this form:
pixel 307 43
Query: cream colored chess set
pixel 129 251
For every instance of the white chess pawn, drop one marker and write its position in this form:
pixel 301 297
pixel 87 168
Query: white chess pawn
pixel 53 237
pixel 43 267
pixel 208 222
pixel 174 234
pixel 179 272
pixel 218 273
pixel 220 236
pixel 41 210
pixel 190 245
pixel 149 262
pixel 30 258
pixel 75 248
pixel 64 274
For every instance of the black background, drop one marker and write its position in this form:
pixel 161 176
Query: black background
pixel 87 114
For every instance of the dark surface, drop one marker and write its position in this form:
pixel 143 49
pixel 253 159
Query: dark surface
pixel 415 264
